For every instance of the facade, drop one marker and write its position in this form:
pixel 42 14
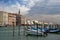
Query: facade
pixel 3 18
pixel 11 19
pixel 21 20
pixel 7 18
pixel 18 20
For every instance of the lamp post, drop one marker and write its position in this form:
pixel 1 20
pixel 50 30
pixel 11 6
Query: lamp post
pixel 13 28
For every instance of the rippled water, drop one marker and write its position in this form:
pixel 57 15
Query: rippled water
pixel 6 33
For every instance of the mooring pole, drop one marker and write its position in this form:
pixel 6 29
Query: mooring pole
pixel 13 29
pixel 19 30
pixel 37 29
pixel 19 25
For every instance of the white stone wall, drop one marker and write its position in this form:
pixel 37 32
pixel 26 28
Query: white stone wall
pixel 5 18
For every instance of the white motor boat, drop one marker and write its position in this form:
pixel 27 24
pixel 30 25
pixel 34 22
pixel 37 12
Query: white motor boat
pixel 34 32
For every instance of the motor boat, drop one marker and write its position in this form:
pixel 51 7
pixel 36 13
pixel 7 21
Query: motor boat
pixel 35 31
pixel 45 29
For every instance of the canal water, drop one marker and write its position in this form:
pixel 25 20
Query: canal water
pixel 6 33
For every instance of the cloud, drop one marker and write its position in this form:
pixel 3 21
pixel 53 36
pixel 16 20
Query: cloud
pixel 31 6
pixel 13 8
pixel 23 8
pixel 47 10
pixel 54 2
pixel 15 5
pixel 46 18
pixel 51 18
pixel 45 7
pixel 31 3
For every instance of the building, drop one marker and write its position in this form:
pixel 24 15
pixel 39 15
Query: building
pixel 11 19
pixel 7 18
pixel 23 20
pixel 20 20
pixel 3 18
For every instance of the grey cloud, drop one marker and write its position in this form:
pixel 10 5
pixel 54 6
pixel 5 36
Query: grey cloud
pixel 43 8
pixel 50 13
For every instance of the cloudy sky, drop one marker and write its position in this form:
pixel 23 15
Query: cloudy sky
pixel 47 10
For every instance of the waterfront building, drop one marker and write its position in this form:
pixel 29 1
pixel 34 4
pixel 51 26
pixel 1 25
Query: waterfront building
pixel 23 20
pixel 6 18
pixel 11 19
pixel 20 19
pixel 3 18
